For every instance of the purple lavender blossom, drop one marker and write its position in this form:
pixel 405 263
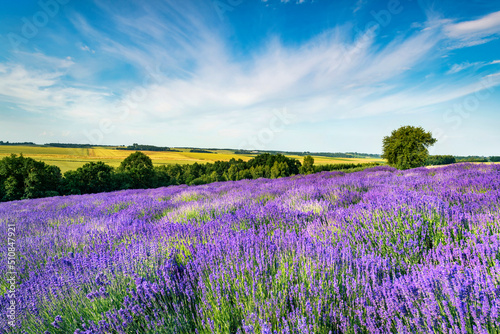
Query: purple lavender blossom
pixel 376 251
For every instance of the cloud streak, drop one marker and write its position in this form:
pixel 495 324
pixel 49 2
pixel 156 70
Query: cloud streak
pixel 475 32
pixel 486 25
pixel 328 77
pixel 39 89
pixel 197 82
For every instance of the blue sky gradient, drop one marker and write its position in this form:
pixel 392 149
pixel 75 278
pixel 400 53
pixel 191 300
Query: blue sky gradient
pixel 287 75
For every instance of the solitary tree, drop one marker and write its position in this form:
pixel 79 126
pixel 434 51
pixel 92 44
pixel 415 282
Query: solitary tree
pixel 407 146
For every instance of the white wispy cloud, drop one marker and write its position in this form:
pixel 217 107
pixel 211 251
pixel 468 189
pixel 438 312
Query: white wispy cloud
pixel 329 77
pixel 466 65
pixel 474 32
pixel 486 25
pixel 460 67
pixel 36 86
pixel 287 1
pixel 87 48
pixel 198 84
pixel 358 6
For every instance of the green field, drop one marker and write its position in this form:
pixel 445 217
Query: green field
pixel 72 158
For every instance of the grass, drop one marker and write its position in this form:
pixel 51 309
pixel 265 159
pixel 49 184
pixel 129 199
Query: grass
pixel 73 158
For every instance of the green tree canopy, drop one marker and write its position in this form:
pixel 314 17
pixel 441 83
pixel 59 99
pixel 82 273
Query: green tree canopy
pixel 138 171
pixel 435 160
pixel 22 178
pixel 279 169
pixel 407 146
pixel 266 159
pixel 232 173
pixel 93 177
pixel 307 165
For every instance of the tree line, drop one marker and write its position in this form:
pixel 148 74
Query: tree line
pixel 24 178
pixel 449 159
pixel 138 147
pixel 26 143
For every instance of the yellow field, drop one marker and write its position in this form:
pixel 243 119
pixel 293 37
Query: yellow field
pixel 327 160
pixel 72 158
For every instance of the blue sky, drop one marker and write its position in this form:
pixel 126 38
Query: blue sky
pixel 295 75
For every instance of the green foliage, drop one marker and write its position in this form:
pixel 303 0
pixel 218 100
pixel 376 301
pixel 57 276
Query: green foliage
pixel 28 143
pixel 245 174
pixel 138 171
pixel 257 172
pixel 2 187
pixel 279 169
pixel 495 159
pixel 69 145
pixel 436 160
pixel 343 167
pixel 13 189
pixel 22 178
pixel 266 159
pixel 162 176
pixel 137 147
pixel 93 177
pixel 232 173
pixel 307 165
pixel 197 150
pixel 471 159
pixel 407 146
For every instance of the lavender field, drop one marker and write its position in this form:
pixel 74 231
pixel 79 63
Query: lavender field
pixel 377 251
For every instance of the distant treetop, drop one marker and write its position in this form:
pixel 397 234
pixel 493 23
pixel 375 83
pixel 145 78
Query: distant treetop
pixel 137 147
